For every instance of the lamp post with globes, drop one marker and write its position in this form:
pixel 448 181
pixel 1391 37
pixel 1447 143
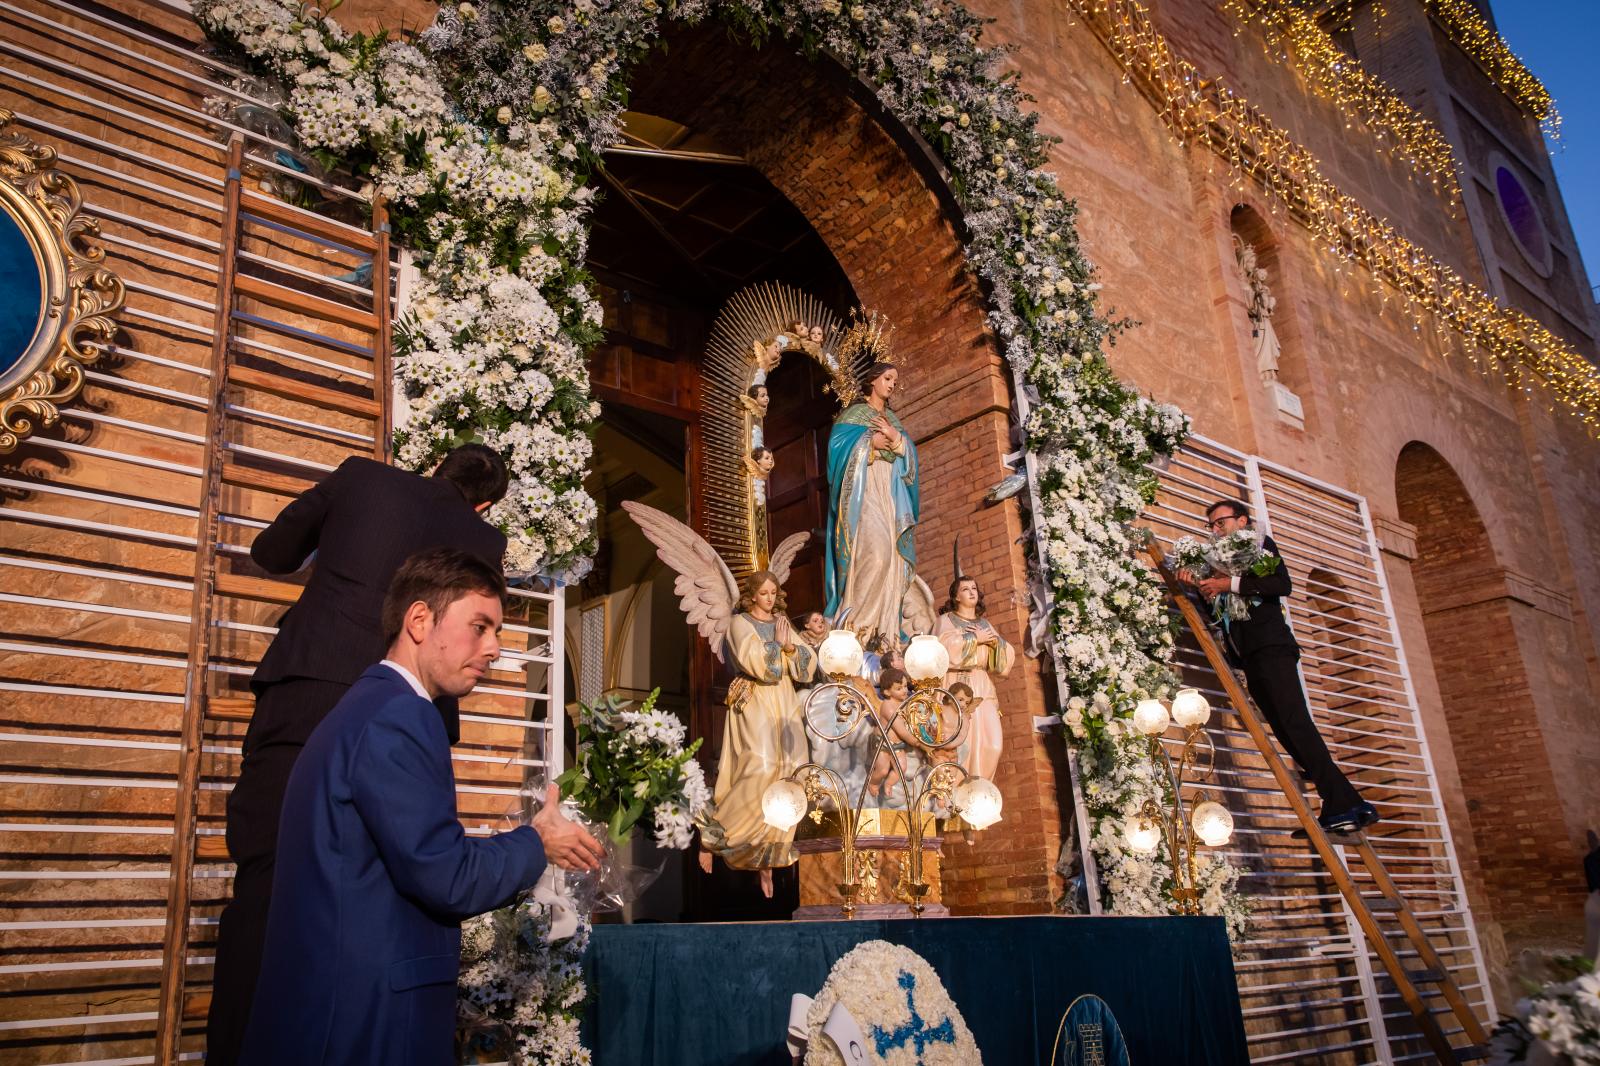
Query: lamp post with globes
pixel 976 799
pixel 1209 821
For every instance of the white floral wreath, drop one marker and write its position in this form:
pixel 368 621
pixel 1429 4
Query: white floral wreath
pixel 901 1006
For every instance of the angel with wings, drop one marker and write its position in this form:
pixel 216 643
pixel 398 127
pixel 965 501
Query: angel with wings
pixel 764 737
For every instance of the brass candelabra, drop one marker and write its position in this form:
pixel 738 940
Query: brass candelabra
pixel 1208 821
pixel 942 783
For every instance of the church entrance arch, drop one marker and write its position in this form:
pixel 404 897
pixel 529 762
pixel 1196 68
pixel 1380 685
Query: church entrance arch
pixel 743 165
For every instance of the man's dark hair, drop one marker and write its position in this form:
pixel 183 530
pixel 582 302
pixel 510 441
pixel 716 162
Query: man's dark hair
pixel 438 577
pixel 1236 509
pixel 891 676
pixel 478 471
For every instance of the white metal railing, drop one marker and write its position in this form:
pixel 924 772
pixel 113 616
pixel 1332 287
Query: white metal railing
pixel 1359 690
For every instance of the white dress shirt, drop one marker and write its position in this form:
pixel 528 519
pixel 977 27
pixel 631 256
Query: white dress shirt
pixel 416 686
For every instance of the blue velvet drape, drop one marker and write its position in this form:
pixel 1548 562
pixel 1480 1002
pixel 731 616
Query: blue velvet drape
pixel 718 995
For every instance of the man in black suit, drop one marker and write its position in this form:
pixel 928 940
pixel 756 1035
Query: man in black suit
pixel 1265 649
pixel 362 522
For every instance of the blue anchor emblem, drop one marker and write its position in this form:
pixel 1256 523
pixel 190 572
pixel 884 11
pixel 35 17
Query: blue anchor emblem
pixel 915 1031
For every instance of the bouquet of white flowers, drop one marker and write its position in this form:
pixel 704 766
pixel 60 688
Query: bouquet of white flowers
pixel 632 763
pixel 1239 552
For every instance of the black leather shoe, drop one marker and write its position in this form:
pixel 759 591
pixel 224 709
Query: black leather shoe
pixel 1353 820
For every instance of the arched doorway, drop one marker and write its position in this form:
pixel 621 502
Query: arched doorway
pixel 747 165
pixel 1529 867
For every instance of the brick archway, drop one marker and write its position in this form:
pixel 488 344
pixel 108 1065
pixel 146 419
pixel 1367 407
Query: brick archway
pixel 1529 867
pixel 796 122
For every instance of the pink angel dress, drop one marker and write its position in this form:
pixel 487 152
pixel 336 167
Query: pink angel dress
pixel 975 664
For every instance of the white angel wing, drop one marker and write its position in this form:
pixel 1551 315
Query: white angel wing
pixel 782 559
pixel 706 590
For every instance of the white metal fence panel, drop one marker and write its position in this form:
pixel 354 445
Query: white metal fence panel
pixel 1311 989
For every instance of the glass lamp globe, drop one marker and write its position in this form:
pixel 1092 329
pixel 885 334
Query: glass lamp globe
pixel 1141 834
pixel 840 654
pixel 1212 824
pixel 1150 718
pixel 1190 709
pixel 978 802
pixel 926 659
pixel 783 804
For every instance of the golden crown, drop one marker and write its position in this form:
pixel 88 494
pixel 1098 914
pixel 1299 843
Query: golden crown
pixel 868 340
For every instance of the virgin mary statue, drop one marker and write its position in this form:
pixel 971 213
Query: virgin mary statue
pixel 872 512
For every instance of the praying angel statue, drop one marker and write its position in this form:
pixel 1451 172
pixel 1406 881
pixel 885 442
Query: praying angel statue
pixel 764 735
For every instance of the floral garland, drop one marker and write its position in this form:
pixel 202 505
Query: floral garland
pixel 896 997
pixel 482 135
pixel 1119 776
pixel 495 209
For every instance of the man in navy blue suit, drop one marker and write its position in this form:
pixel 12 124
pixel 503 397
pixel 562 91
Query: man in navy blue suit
pixel 374 873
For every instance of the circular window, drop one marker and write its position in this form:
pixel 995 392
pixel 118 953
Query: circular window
pixel 1521 214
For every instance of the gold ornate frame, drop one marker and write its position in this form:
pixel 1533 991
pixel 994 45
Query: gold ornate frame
pixel 754 331
pixel 80 295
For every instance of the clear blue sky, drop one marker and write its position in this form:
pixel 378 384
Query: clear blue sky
pixel 1559 40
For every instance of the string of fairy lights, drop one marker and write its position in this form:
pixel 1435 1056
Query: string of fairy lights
pixel 1466 27
pixel 1332 73
pixel 1495 339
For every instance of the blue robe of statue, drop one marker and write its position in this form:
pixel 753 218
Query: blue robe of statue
pixel 873 507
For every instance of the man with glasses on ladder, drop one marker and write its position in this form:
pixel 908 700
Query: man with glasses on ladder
pixel 1264 648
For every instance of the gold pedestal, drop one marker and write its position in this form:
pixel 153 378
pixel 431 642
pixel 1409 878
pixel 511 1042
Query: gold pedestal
pixel 883 886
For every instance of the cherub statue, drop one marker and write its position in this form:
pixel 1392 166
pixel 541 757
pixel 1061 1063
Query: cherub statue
pixel 765 356
pixel 756 400
pixel 760 463
pixel 764 735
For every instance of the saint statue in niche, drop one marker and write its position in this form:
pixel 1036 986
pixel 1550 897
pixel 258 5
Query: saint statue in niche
pixel 1259 306
pixel 873 499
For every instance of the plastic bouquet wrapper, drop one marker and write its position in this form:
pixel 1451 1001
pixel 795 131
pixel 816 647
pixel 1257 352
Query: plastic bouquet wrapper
pixel 571 896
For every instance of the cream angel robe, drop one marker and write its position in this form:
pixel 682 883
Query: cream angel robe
pixel 974 664
pixel 761 742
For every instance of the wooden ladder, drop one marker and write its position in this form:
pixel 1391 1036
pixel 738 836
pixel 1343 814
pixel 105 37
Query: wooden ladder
pixel 1416 986
pixel 253 298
